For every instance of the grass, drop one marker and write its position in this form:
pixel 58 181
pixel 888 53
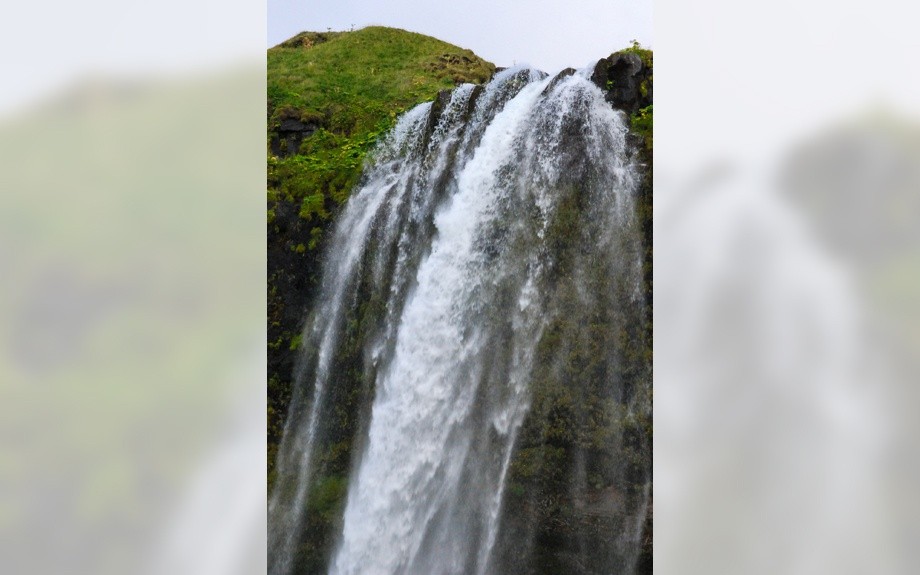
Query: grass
pixel 641 124
pixel 352 80
pixel 644 53
pixel 352 85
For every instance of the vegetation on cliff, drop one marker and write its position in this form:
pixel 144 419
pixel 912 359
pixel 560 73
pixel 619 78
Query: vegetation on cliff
pixel 331 94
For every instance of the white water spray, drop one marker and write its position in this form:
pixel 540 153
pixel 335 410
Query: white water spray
pixel 450 240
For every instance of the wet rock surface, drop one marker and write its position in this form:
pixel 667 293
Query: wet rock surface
pixel 626 80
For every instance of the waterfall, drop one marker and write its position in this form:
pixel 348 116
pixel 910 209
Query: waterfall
pixel 482 294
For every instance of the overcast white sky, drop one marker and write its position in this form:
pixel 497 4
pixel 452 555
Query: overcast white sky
pixel 548 34
pixel 47 45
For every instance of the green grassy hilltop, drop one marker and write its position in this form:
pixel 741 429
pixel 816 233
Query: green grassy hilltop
pixel 352 80
pixel 348 87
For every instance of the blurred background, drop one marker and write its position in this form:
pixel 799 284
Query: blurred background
pixel 787 287
pixel 132 295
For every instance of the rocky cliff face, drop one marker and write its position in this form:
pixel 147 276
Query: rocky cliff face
pixel 626 77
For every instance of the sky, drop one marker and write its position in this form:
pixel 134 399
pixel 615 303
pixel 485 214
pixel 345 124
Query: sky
pixel 547 34
pixel 48 45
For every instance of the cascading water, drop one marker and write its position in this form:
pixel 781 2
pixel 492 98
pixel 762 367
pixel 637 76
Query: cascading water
pixel 474 396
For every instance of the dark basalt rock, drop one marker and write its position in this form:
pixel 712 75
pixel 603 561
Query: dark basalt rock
pixel 634 140
pixel 626 81
pixel 474 97
pixel 292 287
pixel 291 132
pixel 559 77
pixel 434 114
